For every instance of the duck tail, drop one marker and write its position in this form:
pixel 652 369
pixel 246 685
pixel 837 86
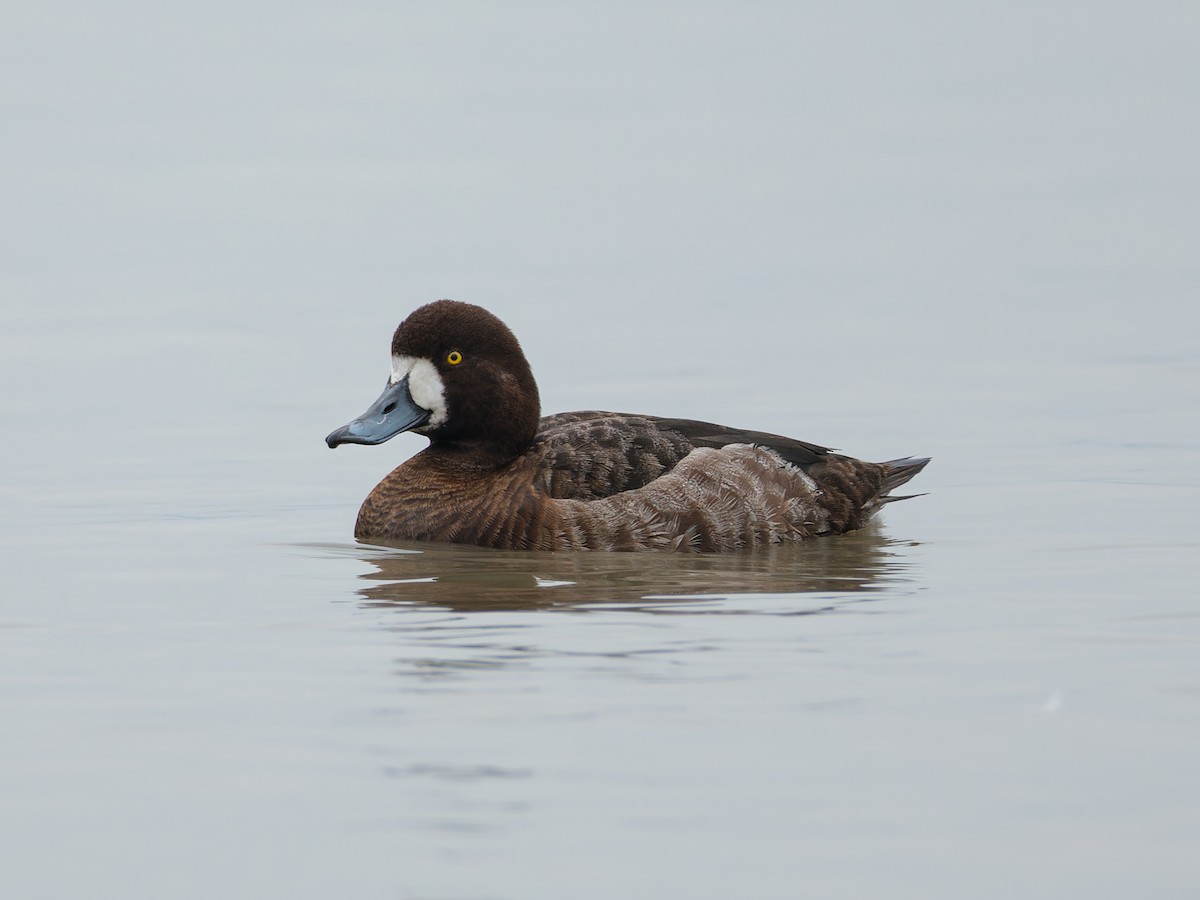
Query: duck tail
pixel 901 471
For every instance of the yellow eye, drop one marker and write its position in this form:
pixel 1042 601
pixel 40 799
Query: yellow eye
pixel 454 358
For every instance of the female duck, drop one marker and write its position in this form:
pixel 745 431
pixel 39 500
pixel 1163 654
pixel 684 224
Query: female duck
pixel 496 475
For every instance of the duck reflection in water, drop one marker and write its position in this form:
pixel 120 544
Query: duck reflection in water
pixel 469 579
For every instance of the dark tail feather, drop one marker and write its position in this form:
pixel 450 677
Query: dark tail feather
pixel 901 471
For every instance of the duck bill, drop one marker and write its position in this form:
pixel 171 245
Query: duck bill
pixel 394 412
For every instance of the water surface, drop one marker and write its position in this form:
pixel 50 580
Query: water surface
pixel 934 230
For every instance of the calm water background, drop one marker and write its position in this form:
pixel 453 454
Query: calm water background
pixel 923 228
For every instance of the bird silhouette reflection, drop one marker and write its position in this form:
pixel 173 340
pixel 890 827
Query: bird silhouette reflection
pixel 472 579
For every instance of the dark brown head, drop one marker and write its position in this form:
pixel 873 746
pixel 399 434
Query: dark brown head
pixel 459 377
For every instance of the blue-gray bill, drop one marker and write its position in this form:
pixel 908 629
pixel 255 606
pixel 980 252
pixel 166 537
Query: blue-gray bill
pixel 394 412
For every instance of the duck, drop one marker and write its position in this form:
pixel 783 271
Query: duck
pixel 497 474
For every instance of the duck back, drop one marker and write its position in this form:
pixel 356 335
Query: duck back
pixel 609 481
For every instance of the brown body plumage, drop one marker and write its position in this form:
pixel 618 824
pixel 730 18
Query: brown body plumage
pixel 495 475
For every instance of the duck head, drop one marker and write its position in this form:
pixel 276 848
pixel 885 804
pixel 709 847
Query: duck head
pixel 458 377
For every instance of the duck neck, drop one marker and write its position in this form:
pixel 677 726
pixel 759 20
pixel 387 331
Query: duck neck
pixel 475 455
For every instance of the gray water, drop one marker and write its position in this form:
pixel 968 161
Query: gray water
pixel 931 229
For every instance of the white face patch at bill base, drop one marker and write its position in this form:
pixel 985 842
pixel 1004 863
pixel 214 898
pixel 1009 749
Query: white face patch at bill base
pixel 424 386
